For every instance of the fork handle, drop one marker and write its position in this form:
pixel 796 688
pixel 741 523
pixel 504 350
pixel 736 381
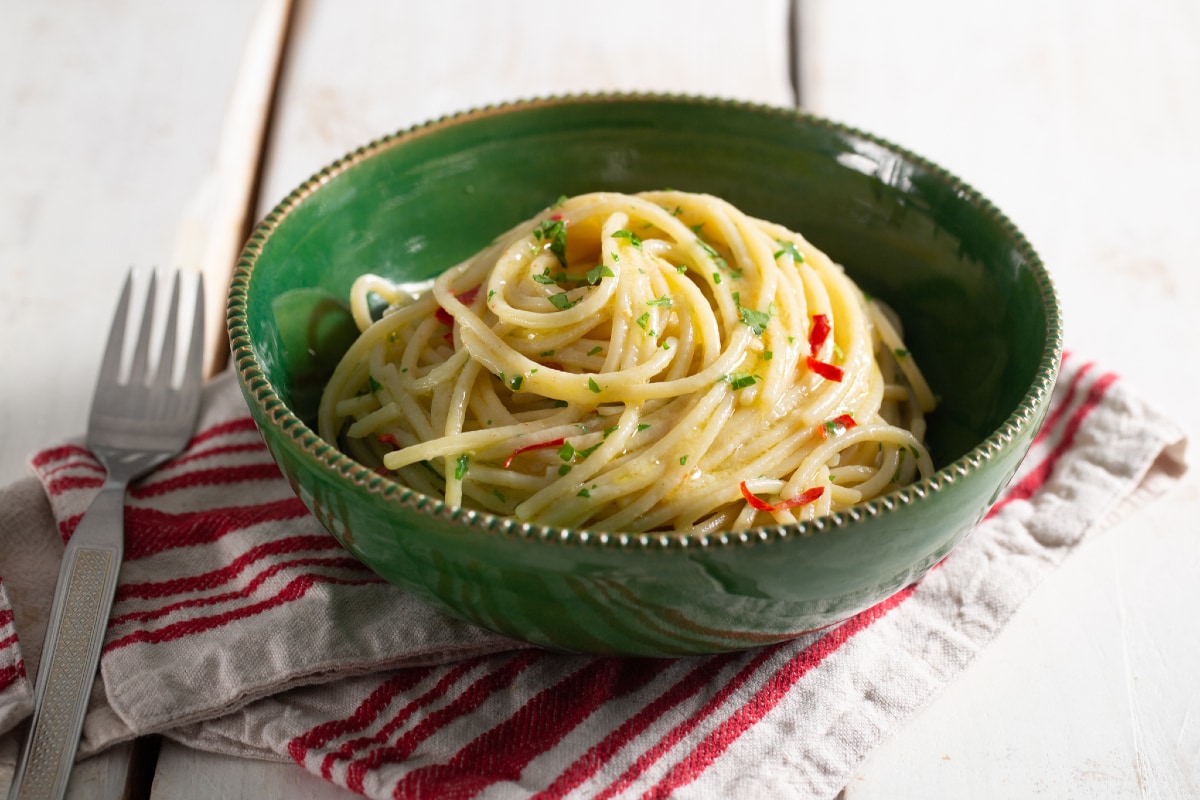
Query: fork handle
pixel 83 599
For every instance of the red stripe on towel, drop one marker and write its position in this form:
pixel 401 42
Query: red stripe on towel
pixel 347 749
pixel 239 425
pixel 1036 478
pixel 58 454
pixel 241 594
pixel 219 476
pixel 768 696
pixel 221 576
pixel 597 756
pixel 149 531
pixel 364 714
pixel 222 450
pixel 501 753
pixel 11 674
pixel 473 697
pixel 295 589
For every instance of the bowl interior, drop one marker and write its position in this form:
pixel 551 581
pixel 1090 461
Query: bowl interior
pixel 967 287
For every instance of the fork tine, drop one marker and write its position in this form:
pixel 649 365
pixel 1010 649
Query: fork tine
pixel 141 354
pixel 111 365
pixel 166 362
pixel 194 365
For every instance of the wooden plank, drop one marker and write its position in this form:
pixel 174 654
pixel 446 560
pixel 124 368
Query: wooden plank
pixel 1081 123
pixel 216 225
pixel 358 70
pixel 187 774
pixel 109 120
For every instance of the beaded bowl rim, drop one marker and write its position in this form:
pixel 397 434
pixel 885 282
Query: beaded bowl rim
pixel 258 387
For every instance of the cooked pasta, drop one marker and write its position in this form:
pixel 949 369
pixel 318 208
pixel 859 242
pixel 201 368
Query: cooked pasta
pixel 649 362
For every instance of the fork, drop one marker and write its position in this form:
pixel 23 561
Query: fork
pixel 135 425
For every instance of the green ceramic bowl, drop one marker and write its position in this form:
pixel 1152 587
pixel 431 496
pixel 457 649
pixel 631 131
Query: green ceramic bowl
pixel 979 309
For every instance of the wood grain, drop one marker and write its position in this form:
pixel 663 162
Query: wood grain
pixel 110 115
pixel 1081 123
pixel 360 69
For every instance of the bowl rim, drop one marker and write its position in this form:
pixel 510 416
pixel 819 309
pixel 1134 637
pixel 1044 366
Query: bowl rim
pixel 258 387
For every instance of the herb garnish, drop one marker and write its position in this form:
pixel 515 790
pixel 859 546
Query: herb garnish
pixel 630 236
pixel 553 231
pixel 597 272
pixel 789 248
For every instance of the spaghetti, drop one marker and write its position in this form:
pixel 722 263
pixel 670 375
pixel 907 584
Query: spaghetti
pixel 648 362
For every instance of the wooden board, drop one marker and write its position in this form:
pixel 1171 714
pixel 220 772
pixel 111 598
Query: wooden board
pixel 1081 123
pixel 110 120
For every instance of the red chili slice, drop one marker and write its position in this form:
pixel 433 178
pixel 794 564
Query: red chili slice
pixel 843 421
pixel 819 332
pixel 445 317
pixel 528 447
pixel 826 370
pixel 802 499
pixel 388 439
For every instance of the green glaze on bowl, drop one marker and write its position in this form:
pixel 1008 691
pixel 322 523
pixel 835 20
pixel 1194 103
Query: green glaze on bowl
pixel 979 310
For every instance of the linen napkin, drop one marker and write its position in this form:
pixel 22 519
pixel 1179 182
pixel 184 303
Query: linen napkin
pixel 240 626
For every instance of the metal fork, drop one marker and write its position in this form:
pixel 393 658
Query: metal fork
pixel 135 425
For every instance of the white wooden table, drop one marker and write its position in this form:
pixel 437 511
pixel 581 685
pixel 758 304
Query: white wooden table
pixel 1081 121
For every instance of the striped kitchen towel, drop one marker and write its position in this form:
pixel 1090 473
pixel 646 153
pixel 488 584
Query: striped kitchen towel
pixel 240 626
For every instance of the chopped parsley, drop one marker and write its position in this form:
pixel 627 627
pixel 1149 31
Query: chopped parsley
pixel 553 231
pixel 563 469
pixel 643 426
pixel 566 452
pixel 516 382
pixel 713 254
pixel 499 495
pixel 546 353
pixel 629 236
pixel 740 380
pixel 583 493
pixel 374 384
pixel 597 272
pixel 561 301
pixel 789 248
pixel 756 320
pixel 587 451
pixel 461 466
pixel 664 301
pixel 683 461
pixel 595 350
pixel 593 386
pixel 643 320
pixel 900 352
